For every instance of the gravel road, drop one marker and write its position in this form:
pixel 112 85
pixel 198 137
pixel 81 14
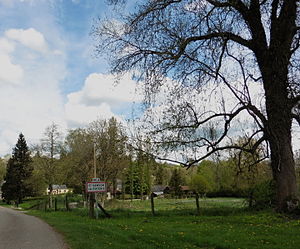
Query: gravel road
pixel 21 231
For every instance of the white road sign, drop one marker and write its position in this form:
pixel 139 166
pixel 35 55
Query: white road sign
pixel 94 187
pixel 96 180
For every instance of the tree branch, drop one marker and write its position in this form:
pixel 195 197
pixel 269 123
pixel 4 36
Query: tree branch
pixel 224 35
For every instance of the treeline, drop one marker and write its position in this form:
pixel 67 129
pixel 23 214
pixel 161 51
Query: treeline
pixel 130 173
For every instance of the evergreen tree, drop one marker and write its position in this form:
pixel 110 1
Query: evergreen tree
pixel 176 182
pixel 19 170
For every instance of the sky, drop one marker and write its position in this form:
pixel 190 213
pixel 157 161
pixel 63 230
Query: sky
pixel 49 72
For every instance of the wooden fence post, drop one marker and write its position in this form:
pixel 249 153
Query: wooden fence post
pixel 46 203
pixel 55 204
pixel 92 204
pixel 152 203
pixel 67 203
pixel 197 203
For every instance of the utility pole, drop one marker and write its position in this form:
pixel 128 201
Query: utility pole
pixel 93 195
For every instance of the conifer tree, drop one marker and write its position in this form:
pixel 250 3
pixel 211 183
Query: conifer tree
pixel 19 170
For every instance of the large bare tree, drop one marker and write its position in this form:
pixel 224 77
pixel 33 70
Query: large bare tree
pixel 212 44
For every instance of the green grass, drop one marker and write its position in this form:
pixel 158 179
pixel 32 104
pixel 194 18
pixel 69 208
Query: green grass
pixel 224 223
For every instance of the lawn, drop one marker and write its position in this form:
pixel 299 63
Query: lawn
pixel 223 223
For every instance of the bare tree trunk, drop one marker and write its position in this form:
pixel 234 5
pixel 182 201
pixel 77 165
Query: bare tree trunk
pixel 283 167
pixel 274 62
pixel 279 136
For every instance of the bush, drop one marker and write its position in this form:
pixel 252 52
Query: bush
pixel 262 195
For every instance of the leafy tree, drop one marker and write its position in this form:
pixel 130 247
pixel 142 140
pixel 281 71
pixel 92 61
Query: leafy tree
pixel 176 181
pixel 2 169
pixel 110 148
pixel 136 183
pixel 19 170
pixel 161 173
pixel 200 184
pixel 79 159
pixel 228 46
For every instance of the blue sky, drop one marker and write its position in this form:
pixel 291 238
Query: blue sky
pixel 49 71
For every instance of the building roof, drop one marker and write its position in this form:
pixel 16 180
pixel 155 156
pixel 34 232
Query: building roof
pixel 59 187
pixel 158 188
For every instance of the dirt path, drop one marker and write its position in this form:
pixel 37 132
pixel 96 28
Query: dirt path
pixel 21 231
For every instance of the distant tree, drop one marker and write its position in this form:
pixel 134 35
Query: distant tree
pixel 51 145
pixel 79 159
pixel 2 169
pixel 176 181
pixel 161 173
pixel 199 184
pixel 110 148
pixel 19 170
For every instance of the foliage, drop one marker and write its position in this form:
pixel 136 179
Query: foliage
pixel 110 144
pixel 161 173
pixel 177 180
pixel 200 184
pixel 19 170
pixel 78 162
pixel 137 180
pixel 262 195
pixel 2 169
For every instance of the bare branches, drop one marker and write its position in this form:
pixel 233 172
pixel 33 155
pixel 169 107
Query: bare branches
pixel 241 47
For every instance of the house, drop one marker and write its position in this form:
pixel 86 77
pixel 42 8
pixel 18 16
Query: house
pixel 186 190
pixel 59 189
pixel 160 190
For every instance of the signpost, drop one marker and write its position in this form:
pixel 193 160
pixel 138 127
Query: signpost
pixel 95 187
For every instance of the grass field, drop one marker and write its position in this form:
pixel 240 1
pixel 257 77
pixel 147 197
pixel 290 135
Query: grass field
pixel 223 223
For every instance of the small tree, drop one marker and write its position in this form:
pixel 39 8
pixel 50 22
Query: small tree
pixel 19 170
pixel 200 185
pixel 2 169
pixel 176 182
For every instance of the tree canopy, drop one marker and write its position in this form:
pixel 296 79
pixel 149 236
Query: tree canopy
pixel 242 55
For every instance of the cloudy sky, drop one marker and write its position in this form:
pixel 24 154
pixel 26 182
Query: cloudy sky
pixel 49 72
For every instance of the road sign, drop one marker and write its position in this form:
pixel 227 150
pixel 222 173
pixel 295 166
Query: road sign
pixel 96 180
pixel 95 187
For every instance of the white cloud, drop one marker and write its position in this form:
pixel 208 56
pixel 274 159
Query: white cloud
pixel 10 73
pixel 98 96
pixel 6 46
pixel 30 38
pixel 99 88
pixel 33 99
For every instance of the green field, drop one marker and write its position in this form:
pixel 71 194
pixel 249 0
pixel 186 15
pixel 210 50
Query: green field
pixel 223 223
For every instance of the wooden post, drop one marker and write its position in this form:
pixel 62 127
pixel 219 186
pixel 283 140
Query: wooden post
pixel 152 203
pixel 92 204
pixel 67 203
pixel 55 204
pixel 197 203
pixel 107 215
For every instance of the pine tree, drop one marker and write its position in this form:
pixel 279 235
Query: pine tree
pixel 19 170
